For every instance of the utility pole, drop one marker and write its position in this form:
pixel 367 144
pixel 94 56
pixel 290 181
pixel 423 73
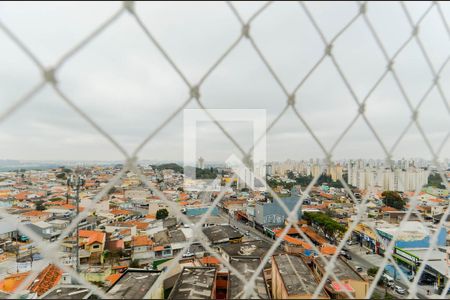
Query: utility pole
pixel 17 252
pixel 67 192
pixel 385 288
pixel 76 182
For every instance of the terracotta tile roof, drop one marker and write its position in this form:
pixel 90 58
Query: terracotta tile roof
pixel 126 231
pixel 113 278
pixel 93 236
pixel 295 241
pixel 22 195
pixel 116 245
pixel 230 202
pixel 48 278
pixel 90 183
pixel 120 212
pixel 291 230
pixel 183 196
pixel 151 217
pixel 12 282
pixel 326 195
pixel 35 213
pixel 328 249
pixel 209 260
pixel 158 248
pixel 141 240
pixel 139 225
pixel 388 208
pixel 313 235
pixel 437 200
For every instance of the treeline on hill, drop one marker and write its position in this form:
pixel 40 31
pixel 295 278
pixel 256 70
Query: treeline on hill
pixel 207 173
pixel 305 180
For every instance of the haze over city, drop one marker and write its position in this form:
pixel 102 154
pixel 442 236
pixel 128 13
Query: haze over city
pixel 128 88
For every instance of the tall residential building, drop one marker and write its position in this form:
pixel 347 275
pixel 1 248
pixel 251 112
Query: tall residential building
pixel 315 170
pixel 335 171
pixel 396 178
pixel 201 163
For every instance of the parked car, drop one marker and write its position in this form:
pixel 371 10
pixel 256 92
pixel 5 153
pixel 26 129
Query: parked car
pixel 36 256
pixel 358 269
pixel 389 282
pixel 346 255
pixel 188 254
pixel 351 242
pixel 399 290
pixel 385 282
pixel 21 238
pixel 1 251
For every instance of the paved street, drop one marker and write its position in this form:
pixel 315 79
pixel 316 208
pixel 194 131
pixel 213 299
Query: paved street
pixel 254 233
pixel 9 266
pixel 359 257
pixel 366 261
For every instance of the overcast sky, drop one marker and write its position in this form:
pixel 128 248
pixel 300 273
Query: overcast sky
pixel 123 82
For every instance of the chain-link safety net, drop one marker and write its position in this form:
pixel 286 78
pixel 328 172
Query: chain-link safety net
pixel 129 9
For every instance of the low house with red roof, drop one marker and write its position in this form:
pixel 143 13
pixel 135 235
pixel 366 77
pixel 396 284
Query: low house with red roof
pixel 120 214
pixel 111 279
pixel 142 249
pixel 47 279
pixel 22 196
pixel 11 282
pixel 93 242
pixel 35 216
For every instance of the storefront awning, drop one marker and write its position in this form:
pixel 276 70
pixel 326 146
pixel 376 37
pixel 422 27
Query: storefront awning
pixel 404 260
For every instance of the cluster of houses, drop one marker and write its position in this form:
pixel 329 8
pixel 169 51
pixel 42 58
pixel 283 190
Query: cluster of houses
pixel 128 241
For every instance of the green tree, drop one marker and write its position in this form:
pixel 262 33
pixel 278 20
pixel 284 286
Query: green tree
pixel 134 264
pixel 162 214
pixel 291 175
pixel 40 205
pixel 435 180
pixel 326 223
pixel 393 199
pixel 112 190
pixel 372 271
pixel 61 176
pixel 55 199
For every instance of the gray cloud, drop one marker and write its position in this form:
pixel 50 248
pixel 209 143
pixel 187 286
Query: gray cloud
pixel 122 81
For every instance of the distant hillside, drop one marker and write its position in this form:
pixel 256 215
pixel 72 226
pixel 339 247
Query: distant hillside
pixel 207 173
pixel 177 168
